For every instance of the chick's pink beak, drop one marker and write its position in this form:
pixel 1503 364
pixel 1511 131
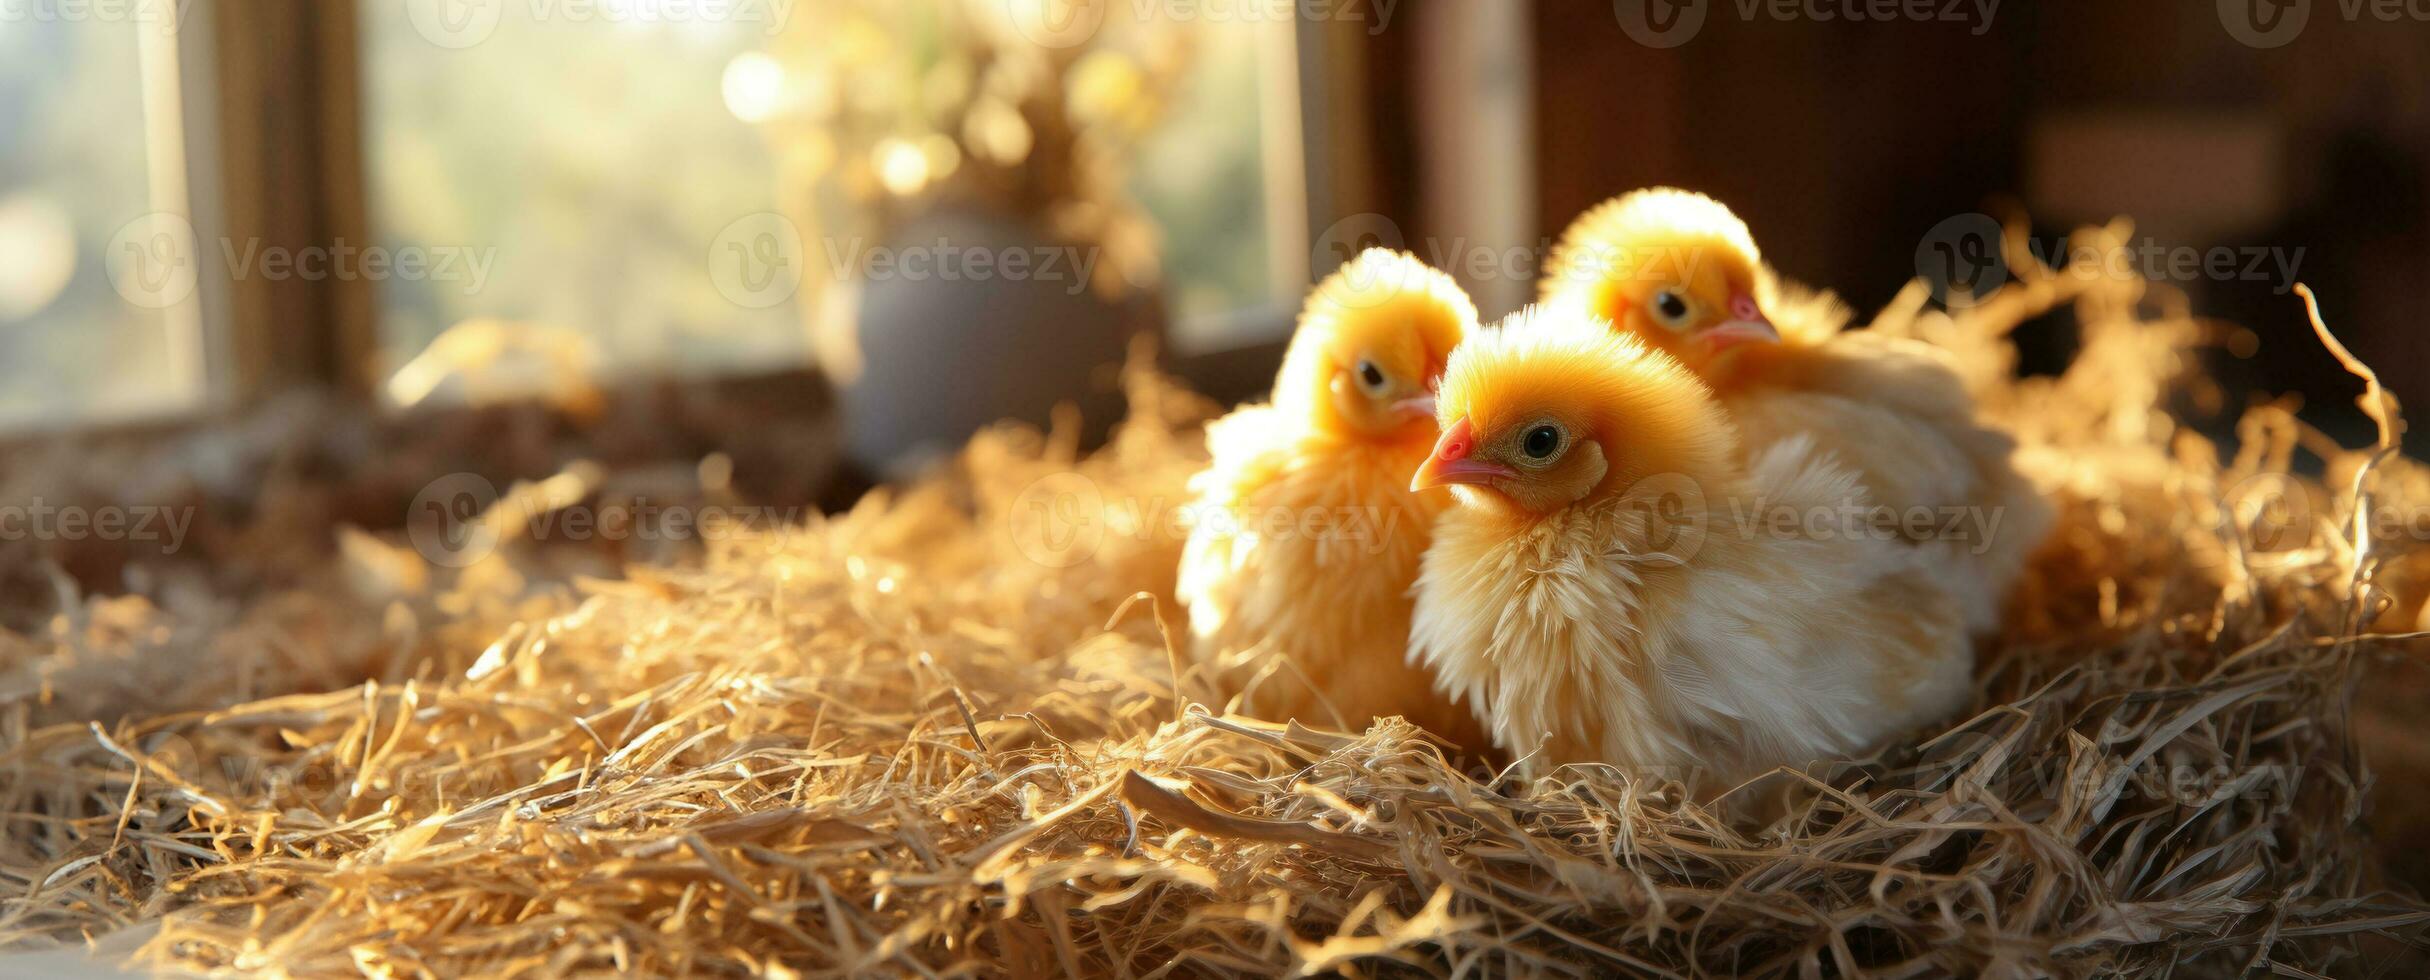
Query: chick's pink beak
pixel 1421 406
pixel 1451 463
pixel 1746 325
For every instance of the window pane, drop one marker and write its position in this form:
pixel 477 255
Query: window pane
pixel 1202 176
pixel 581 164
pixel 573 164
pixel 96 280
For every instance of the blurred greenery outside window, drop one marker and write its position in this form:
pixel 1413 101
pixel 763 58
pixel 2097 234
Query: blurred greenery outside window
pixel 578 169
pixel 98 317
pixel 1202 178
pixel 573 175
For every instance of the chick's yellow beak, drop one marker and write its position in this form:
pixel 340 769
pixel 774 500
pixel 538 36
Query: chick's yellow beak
pixel 1451 463
pixel 1746 325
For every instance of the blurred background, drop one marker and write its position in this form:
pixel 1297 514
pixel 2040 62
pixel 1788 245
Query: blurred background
pixel 416 203
pixel 283 263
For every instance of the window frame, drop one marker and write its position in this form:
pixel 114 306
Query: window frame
pixel 272 114
pixel 176 136
pixel 1330 124
pixel 280 101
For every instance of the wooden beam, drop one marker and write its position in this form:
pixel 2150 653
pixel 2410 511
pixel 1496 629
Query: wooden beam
pixel 290 159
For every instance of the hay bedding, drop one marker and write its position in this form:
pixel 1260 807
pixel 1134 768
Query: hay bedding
pixel 889 741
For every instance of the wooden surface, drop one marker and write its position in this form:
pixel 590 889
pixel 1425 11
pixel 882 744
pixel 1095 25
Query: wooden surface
pixel 290 158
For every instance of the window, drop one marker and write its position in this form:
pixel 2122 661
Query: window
pixel 575 165
pixel 98 306
pixel 553 177
pixel 1209 179
pixel 565 169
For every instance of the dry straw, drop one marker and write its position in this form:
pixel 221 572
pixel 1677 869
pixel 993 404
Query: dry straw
pixel 904 740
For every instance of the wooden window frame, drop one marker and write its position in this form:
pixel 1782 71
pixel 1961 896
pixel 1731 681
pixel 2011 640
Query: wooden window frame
pixel 285 102
pixel 273 128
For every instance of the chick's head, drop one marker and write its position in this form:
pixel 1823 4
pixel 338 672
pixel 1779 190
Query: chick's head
pixel 1673 267
pixel 1553 408
pixel 1371 346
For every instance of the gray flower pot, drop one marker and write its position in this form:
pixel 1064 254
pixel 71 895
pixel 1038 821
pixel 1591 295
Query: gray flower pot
pixel 966 319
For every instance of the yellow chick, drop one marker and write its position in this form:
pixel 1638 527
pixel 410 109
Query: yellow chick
pixel 1682 273
pixel 1305 537
pixel 1600 594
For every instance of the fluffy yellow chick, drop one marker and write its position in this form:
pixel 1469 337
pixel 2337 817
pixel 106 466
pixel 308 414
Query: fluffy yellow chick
pixel 1305 535
pixel 1681 272
pixel 1613 586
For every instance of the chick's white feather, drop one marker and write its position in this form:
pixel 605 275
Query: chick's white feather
pixel 1894 410
pixel 1305 537
pixel 1665 627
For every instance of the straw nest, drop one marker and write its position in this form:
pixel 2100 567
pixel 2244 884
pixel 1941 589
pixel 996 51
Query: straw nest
pixel 931 736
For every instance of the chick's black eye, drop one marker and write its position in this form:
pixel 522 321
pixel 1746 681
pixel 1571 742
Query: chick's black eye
pixel 1370 376
pixel 1670 306
pixel 1540 442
